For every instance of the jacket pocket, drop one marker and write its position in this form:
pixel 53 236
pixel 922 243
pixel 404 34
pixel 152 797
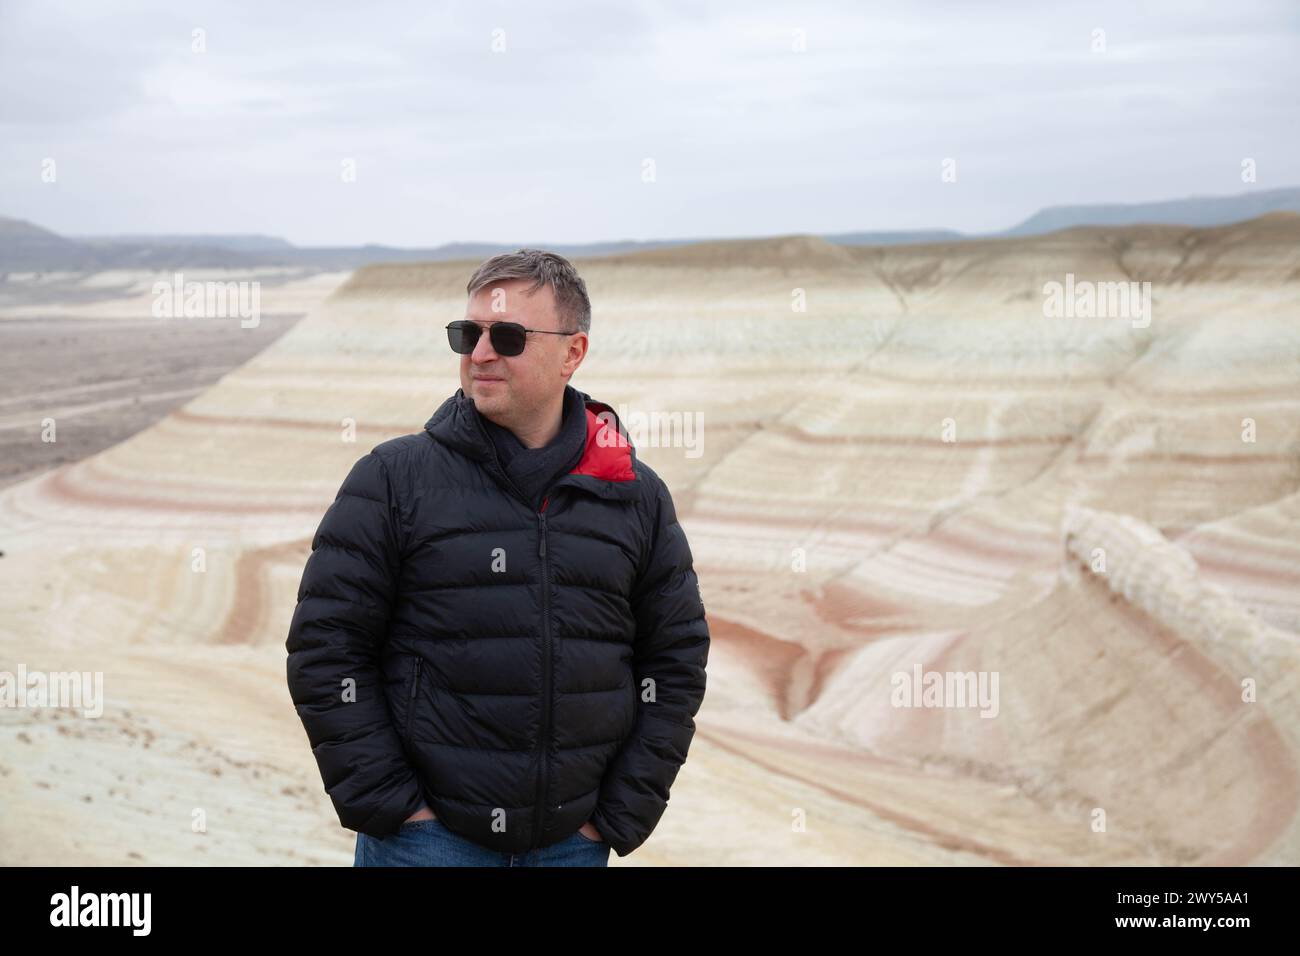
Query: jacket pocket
pixel 411 697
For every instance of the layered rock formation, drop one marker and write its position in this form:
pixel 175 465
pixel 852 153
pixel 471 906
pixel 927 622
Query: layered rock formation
pixel 907 466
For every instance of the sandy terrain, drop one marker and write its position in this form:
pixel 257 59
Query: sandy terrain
pixel 839 538
pixel 86 351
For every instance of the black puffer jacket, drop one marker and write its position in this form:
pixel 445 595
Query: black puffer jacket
pixel 520 671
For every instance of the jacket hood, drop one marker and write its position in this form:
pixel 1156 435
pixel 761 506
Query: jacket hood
pixel 605 468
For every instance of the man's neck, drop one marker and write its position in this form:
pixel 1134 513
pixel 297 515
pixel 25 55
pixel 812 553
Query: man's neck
pixel 541 430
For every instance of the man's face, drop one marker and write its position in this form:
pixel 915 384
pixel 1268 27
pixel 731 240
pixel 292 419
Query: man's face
pixel 514 390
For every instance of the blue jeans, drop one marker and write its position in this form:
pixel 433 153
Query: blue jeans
pixel 430 843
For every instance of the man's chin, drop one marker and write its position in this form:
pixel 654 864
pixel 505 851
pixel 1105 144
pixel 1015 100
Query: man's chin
pixel 488 397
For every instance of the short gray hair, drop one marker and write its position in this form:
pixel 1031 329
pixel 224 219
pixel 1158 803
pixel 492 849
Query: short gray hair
pixel 571 302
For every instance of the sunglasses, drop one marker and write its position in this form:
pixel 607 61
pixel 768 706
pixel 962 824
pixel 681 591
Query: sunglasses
pixel 508 338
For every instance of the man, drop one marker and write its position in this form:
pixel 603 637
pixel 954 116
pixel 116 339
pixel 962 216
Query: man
pixel 499 644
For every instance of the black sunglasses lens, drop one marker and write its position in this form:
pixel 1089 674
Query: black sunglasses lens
pixel 462 337
pixel 508 338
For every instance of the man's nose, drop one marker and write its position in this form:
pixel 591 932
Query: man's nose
pixel 483 351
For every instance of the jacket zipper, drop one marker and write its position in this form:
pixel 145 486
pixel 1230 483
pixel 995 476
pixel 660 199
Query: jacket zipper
pixel 538 814
pixel 410 705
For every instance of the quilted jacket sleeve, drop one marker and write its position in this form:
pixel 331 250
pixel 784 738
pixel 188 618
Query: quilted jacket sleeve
pixel 338 627
pixel 672 648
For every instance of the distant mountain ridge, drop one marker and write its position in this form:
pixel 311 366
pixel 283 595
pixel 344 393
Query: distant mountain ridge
pixel 1193 211
pixel 236 243
pixel 26 247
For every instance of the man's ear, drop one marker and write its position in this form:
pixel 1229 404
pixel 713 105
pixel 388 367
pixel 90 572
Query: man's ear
pixel 577 352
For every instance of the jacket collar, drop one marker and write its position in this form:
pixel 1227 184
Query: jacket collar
pixel 605 468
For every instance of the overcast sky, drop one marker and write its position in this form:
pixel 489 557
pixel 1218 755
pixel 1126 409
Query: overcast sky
pixel 547 139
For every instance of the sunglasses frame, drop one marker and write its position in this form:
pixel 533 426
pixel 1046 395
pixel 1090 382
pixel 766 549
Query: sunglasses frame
pixel 461 324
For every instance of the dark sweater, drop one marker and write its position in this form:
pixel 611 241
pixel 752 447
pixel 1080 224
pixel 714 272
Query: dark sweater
pixel 534 470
